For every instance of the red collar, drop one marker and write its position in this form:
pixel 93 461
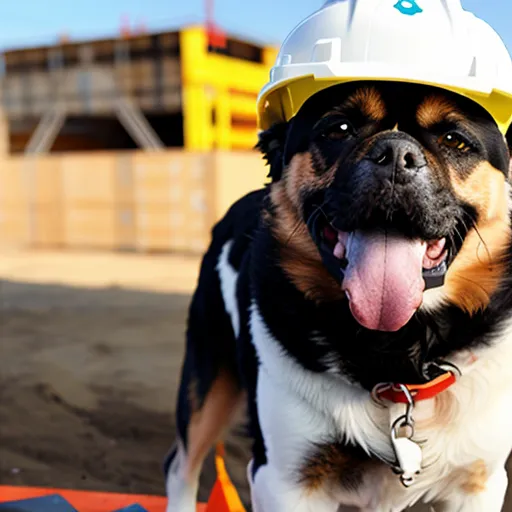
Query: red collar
pixel 394 393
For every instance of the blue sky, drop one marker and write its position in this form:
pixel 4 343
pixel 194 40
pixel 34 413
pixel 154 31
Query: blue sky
pixel 34 22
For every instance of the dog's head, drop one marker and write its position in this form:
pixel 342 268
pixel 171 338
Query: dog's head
pixel 393 197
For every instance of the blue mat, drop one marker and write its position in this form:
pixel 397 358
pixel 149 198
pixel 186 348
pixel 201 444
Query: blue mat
pixel 53 503
pixel 132 508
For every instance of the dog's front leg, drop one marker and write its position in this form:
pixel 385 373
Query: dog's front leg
pixel 271 492
pixel 489 499
pixel 181 487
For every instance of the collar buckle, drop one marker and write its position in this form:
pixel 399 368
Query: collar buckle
pixel 408 453
pixel 404 393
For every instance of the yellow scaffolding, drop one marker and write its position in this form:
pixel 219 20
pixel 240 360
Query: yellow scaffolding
pixel 215 89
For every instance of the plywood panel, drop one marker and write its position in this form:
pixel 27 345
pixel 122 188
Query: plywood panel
pixel 48 222
pixel 124 202
pixel 125 226
pixel 164 228
pixel 157 211
pixel 199 204
pixel 154 227
pixel 152 201
pixel 14 183
pixel 47 180
pixel 100 226
pixel 152 176
pixel 173 200
pixel 89 178
pixel 34 180
pixel 236 174
pixel 15 228
pixel 124 179
pixel 92 226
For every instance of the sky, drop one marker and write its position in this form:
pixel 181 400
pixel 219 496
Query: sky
pixel 36 22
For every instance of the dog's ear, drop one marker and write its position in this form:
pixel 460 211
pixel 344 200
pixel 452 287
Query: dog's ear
pixel 271 144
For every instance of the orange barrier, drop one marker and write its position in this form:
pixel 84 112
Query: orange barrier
pixel 85 501
pixel 224 498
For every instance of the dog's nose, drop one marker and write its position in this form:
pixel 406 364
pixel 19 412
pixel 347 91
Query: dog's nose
pixel 397 155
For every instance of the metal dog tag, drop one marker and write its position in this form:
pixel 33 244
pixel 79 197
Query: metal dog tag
pixel 409 457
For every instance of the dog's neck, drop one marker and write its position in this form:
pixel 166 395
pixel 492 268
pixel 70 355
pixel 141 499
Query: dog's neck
pixel 324 337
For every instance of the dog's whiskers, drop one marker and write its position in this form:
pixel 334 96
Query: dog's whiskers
pixel 474 226
pixel 459 234
pixel 483 243
pixel 478 285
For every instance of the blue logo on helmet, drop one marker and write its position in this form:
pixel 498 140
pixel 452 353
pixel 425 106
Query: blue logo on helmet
pixel 408 7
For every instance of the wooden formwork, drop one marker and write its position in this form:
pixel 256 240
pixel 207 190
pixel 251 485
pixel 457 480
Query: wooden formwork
pixel 141 201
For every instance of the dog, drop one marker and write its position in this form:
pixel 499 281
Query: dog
pixel 359 307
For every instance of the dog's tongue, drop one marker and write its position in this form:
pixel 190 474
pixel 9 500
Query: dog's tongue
pixel 383 279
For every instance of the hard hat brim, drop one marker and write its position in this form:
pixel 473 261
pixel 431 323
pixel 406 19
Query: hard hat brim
pixel 281 100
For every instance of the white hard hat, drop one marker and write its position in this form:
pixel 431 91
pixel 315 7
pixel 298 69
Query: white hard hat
pixel 431 42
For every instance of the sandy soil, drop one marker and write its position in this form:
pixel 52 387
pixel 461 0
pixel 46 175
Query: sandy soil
pixel 90 352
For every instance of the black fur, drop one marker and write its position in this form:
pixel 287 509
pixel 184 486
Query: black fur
pixel 425 207
pixel 271 143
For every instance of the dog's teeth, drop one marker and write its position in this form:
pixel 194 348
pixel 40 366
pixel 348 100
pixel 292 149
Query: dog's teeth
pixel 436 249
pixel 339 251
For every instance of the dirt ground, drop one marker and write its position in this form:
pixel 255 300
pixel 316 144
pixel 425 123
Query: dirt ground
pixel 90 352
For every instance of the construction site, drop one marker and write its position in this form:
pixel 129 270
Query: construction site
pixel 117 157
pixel 136 143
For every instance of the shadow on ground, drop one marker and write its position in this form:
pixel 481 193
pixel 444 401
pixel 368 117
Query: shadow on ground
pixel 88 382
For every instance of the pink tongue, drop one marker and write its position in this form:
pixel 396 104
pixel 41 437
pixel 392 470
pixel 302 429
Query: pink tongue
pixel 383 279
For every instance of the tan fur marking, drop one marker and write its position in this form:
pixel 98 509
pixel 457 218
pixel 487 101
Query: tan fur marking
pixel 368 100
pixel 436 108
pixel 208 424
pixel 474 478
pixel 485 189
pixel 330 464
pixel 300 176
pixel 478 268
pixel 300 258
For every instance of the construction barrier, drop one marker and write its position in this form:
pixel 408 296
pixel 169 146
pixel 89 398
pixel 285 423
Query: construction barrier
pixel 142 201
pixel 224 498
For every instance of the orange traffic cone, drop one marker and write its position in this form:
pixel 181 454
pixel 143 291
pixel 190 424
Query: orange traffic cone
pixel 224 497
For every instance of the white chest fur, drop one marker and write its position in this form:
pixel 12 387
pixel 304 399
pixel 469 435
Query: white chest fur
pixel 469 423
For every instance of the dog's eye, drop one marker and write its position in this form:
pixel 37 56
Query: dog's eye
pixel 339 130
pixel 454 140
